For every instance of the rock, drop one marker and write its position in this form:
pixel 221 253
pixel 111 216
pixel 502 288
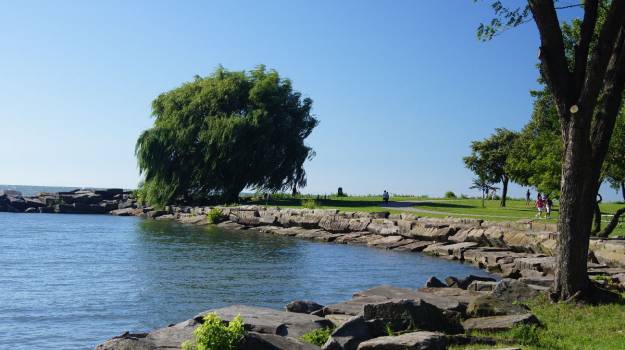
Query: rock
pixel 434 282
pixel 385 242
pixel 349 335
pixel 156 213
pixel 164 338
pixel 489 305
pixel 455 251
pixel 166 217
pixel 338 319
pixel 270 321
pixel 429 233
pixel 123 212
pixel 349 237
pixel 383 227
pixel 538 281
pixel 334 223
pixel 259 341
pixel 448 300
pixel 465 282
pixel 46 210
pixel 403 314
pixel 609 252
pixel 31 210
pixel 546 264
pixel 498 323
pixel 482 286
pixel 33 203
pixel 379 214
pixel 303 306
pixel 354 306
pixel 110 193
pixel 415 246
pixel 513 291
pixel 408 341
pixel 359 224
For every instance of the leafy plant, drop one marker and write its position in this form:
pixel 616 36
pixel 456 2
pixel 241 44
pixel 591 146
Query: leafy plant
pixel 214 334
pixel 317 336
pixel 450 194
pixel 310 203
pixel 215 216
pixel 388 330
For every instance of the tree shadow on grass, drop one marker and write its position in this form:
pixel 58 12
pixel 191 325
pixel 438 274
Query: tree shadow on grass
pixel 443 205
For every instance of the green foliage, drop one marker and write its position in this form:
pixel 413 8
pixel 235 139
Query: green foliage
pixel 215 216
pixel 214 334
pixel 525 335
pixel 450 194
pixel 215 136
pixel 310 203
pixel 489 157
pixel 317 336
pixel 388 329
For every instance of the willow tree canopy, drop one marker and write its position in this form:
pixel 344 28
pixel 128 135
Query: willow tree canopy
pixel 217 135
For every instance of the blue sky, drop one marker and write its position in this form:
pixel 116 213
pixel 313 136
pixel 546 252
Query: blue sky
pixel 400 88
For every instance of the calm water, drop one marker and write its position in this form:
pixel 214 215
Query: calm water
pixel 72 281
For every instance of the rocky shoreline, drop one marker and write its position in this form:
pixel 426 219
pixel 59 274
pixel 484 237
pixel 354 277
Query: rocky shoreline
pixel 433 317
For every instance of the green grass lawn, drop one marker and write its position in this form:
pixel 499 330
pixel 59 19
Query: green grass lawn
pixel 566 327
pixel 433 207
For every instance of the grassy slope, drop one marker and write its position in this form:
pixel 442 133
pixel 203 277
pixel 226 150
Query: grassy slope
pixel 567 327
pixel 515 209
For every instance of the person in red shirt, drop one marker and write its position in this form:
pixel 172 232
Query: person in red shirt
pixel 540 205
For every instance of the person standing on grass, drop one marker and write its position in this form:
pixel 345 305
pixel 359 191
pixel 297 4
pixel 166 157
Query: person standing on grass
pixel 527 198
pixel 540 205
pixel 385 196
pixel 548 205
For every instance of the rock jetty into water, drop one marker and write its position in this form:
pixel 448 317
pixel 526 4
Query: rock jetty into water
pixel 79 201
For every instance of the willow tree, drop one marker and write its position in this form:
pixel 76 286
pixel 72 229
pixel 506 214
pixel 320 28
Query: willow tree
pixel 587 88
pixel 216 135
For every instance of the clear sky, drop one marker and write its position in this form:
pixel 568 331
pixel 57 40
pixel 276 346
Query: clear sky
pixel 400 87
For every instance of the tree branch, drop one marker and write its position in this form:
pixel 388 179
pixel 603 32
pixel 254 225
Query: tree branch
pixel 552 54
pixel 604 52
pixel 581 50
pixel 612 224
pixel 612 97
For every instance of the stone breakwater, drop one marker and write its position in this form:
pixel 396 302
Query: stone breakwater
pixel 433 317
pixel 78 201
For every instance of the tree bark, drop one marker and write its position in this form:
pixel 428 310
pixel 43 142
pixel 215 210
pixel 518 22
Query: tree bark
pixel 597 219
pixel 586 125
pixel 623 190
pixel 612 224
pixel 504 192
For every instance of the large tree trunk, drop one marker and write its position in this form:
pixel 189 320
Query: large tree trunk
pixel 504 192
pixel 623 190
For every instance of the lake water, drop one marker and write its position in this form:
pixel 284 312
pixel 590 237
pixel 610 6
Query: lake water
pixel 72 281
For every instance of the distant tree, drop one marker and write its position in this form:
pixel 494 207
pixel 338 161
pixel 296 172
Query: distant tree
pixel 489 158
pixel 536 154
pixel 586 80
pixel 215 136
pixel 485 185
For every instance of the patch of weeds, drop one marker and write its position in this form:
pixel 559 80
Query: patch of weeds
pixel 317 336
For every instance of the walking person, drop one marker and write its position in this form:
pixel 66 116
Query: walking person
pixel 385 196
pixel 548 205
pixel 528 197
pixel 540 206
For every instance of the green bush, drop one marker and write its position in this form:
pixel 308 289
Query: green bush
pixel 309 203
pixel 215 216
pixel 214 334
pixel 450 194
pixel 317 336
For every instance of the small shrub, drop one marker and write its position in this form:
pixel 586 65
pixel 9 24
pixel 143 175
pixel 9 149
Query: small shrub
pixel 215 216
pixel 214 334
pixel 450 194
pixel 388 330
pixel 309 203
pixel 317 336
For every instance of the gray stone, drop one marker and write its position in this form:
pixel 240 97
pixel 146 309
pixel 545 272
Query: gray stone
pixel 415 246
pixel 489 305
pixel 514 291
pixel 349 335
pixel 259 341
pixel 303 306
pixel 408 341
pixel 270 321
pixel 482 286
pixel 383 227
pixel 334 223
pixel 403 314
pixel 434 282
pixel 498 323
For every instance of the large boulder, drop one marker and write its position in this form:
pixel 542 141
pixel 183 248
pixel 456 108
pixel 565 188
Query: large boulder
pixel 408 341
pixel 383 227
pixel 334 223
pixel 303 306
pixel 349 335
pixel 514 291
pixel 489 305
pixel 270 321
pixel 609 252
pixel 259 341
pixel 498 323
pixel 403 314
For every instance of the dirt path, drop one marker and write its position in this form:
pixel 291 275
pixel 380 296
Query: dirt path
pixel 409 206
